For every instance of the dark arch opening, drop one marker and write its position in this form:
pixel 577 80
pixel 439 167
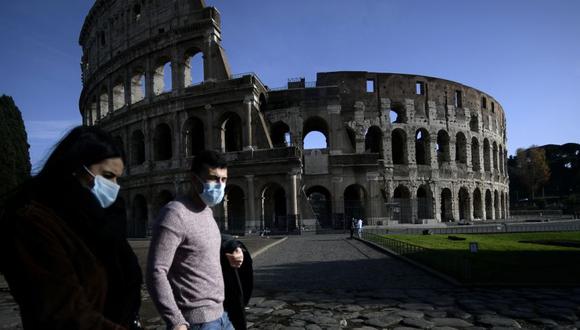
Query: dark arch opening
pixel 460 148
pixel 231 133
pixel 402 197
pixel 162 142
pixel 321 202
pixel 488 205
pixel 475 162
pixel 477 205
pixel 399 146
pixel 422 147
pixel 446 205
pixel 424 202
pixel 354 202
pixel 274 209
pixel 194 136
pixel 374 140
pixel 280 133
pixel 442 147
pixel 312 125
pixel 235 209
pixel 464 204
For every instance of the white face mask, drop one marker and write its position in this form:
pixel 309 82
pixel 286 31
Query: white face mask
pixel 212 193
pixel 105 190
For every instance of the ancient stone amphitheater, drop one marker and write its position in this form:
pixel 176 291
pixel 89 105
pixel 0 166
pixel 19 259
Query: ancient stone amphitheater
pixel 399 148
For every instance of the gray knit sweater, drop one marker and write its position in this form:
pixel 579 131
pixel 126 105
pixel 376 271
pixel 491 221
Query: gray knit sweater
pixel 184 275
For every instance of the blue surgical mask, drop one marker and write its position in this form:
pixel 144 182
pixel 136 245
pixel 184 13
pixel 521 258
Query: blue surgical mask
pixel 105 190
pixel 212 193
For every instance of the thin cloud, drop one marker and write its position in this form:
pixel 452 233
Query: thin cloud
pixel 48 129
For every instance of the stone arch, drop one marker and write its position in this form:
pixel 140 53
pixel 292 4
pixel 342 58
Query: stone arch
pixel 488 205
pixel 495 157
pixel 424 202
pixel 315 124
pixel 231 132
pixel 399 146
pixel 274 208
pixel 138 90
pixel 446 205
pixel 162 76
pixel 496 205
pixel 422 147
pixel 140 219
pixel 193 68
pixel 118 94
pixel 321 201
pixel 460 148
pixel 398 114
pixel 193 136
pixel 280 133
pixel 464 204
pixel 475 161
pixel 235 209
pixel 402 197
pixel 355 198
pixel 477 205
pixel 137 148
pixel 103 103
pixel 374 140
pixel 486 156
pixel 162 142
pixel 443 147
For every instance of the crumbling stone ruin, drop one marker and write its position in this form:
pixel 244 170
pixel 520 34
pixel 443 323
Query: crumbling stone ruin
pixel 399 148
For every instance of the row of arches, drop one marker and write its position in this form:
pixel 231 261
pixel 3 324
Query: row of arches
pixel 140 83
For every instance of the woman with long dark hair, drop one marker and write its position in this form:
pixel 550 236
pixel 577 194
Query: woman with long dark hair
pixel 63 245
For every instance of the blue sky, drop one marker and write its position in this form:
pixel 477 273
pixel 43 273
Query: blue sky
pixel 526 53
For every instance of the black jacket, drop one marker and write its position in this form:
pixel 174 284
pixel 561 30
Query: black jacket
pixel 238 282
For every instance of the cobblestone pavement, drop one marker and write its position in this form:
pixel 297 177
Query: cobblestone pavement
pixel 329 282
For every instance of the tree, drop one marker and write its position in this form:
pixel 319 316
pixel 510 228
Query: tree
pixel 15 159
pixel 532 168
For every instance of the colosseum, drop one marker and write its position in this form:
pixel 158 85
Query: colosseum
pixel 399 148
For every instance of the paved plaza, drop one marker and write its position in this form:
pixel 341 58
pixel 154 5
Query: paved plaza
pixel 331 282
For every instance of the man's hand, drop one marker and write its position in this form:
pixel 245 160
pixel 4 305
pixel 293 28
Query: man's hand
pixel 236 258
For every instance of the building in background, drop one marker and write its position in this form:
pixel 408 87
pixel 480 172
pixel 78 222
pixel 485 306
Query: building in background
pixel 398 148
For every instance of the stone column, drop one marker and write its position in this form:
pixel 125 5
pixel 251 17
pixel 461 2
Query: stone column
pixel 293 211
pixel 335 129
pixel 247 136
pixel 251 221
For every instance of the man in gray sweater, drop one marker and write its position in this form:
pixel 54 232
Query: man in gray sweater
pixel 184 275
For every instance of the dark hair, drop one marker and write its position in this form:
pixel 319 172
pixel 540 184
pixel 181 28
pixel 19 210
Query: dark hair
pixel 83 145
pixel 210 159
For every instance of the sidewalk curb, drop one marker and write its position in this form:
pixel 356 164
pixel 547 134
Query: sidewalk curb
pixel 265 248
pixel 429 270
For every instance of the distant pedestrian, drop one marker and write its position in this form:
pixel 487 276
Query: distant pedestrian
pixel 352 227
pixel 359 227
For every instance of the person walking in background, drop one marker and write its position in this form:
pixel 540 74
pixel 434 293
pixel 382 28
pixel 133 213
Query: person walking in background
pixel 184 275
pixel 352 227
pixel 359 227
pixel 63 246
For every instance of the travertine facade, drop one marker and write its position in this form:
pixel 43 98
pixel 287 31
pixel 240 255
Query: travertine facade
pixel 399 148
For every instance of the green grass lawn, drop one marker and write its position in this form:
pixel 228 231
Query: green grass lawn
pixel 502 258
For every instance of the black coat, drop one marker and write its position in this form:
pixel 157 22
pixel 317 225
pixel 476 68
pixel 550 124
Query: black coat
pixel 238 282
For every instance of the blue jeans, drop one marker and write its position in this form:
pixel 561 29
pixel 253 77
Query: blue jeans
pixel 223 323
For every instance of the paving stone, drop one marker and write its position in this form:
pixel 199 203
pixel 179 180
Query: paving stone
pixel 383 322
pixel 313 327
pixel 284 312
pixel 495 321
pixel 260 310
pixel 418 323
pixel 274 304
pixel 256 301
pixel 436 314
pixel 451 322
pixel 324 320
pixel 559 314
pixel 411 314
pixel 420 307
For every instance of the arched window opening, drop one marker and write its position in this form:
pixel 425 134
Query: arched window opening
pixel 137 148
pixel 354 202
pixel 235 210
pixel 103 104
pixel 399 146
pixel 446 205
pixel 280 133
pixel 477 206
pixel 194 137
pixel 402 199
pixel 398 115
pixel 140 223
pixel 422 147
pixel 442 147
pixel 320 138
pixel 486 156
pixel 374 140
pixel 162 78
pixel 496 204
pixel 464 204
pixel 274 213
pixel 162 142
pixel 94 114
pixel 488 205
pixel 424 202
pixel 231 133
pixel 460 148
pixel 118 96
pixel 193 73
pixel 474 123
pixel 495 156
pixel 475 162
pixel 137 86
pixel 321 203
